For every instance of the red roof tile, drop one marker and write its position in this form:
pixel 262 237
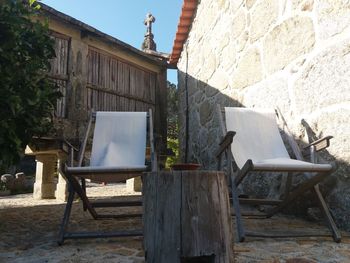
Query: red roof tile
pixel 187 14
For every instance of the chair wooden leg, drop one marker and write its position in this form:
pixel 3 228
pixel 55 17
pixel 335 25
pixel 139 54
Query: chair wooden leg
pixel 83 186
pixel 286 185
pixel 80 192
pixel 236 206
pixel 303 187
pixel 66 216
pixel 242 173
pixel 235 199
pixel 324 208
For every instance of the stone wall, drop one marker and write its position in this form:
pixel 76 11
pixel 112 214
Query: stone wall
pixel 291 54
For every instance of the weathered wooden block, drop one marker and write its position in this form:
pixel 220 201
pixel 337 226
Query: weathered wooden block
pixel 187 217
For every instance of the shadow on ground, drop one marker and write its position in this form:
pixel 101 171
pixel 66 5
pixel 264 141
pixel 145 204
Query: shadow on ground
pixel 29 234
pixel 29 231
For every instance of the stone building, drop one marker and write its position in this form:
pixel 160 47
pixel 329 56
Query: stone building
pixel 291 54
pixel 95 71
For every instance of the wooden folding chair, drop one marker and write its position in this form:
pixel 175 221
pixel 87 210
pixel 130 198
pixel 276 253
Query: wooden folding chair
pixel 118 153
pixel 251 138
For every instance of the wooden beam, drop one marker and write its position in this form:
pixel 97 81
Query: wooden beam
pixel 80 235
pixel 100 88
pixel 252 201
pixel 58 77
pixel 288 233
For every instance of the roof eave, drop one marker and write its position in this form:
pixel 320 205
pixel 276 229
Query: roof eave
pixel 189 8
pixel 89 29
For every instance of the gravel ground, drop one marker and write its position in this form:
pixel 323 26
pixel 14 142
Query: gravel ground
pixel 29 231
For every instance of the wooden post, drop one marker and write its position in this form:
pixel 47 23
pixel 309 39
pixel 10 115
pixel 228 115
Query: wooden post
pixel 160 114
pixel 187 217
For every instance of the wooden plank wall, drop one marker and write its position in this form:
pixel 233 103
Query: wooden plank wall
pixel 115 85
pixel 59 71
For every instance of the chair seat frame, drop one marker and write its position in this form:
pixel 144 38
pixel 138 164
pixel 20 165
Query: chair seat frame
pixel 237 176
pixel 73 176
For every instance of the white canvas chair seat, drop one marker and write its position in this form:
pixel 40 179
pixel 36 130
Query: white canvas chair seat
pixel 258 139
pixel 252 140
pixel 118 153
pixel 287 164
pixel 118 148
pixel 257 136
pixel 119 139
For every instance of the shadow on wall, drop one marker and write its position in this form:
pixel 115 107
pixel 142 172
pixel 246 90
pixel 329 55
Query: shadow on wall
pixel 204 136
pixel 204 129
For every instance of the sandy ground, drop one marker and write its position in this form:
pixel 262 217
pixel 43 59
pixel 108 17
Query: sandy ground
pixel 29 231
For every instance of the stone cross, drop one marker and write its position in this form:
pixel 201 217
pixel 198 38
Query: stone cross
pixel 148 22
pixel 148 42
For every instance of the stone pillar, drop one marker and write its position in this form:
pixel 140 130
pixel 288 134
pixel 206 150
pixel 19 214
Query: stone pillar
pixel 62 186
pixel 134 184
pixel 44 186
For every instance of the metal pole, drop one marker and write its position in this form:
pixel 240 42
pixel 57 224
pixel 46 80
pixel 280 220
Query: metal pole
pixel 187 111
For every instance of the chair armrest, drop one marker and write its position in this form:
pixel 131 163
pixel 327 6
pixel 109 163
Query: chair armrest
pixel 69 149
pixel 65 143
pixel 225 143
pixel 320 144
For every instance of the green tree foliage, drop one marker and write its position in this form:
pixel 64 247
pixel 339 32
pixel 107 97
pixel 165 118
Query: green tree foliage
pixel 173 141
pixel 172 110
pixel 27 96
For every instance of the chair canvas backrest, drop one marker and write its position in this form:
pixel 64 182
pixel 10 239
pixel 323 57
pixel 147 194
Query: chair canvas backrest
pixel 257 136
pixel 119 139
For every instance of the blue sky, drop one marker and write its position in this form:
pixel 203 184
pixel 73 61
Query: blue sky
pixel 124 19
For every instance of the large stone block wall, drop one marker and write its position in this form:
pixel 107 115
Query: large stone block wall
pixel 291 54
